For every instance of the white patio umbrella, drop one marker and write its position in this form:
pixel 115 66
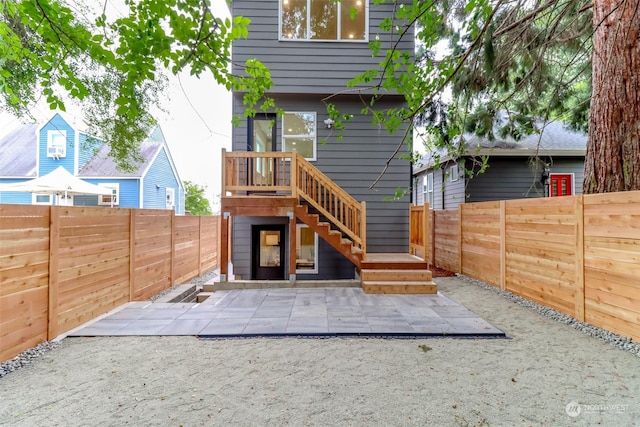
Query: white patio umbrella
pixel 58 182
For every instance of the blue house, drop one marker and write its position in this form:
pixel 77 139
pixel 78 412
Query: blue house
pixel 32 151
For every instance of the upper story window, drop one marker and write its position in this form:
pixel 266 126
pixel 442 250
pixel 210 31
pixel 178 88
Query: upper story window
pixel 299 132
pixel 324 20
pixel 57 143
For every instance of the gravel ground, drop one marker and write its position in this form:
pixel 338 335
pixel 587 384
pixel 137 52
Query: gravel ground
pixel 551 372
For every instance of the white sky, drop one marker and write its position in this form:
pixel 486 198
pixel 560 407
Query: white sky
pixel 197 124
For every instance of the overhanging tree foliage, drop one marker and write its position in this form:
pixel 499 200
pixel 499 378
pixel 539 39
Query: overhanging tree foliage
pixel 116 68
pixel 530 58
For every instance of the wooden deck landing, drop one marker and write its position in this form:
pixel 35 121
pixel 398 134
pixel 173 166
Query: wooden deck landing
pixel 393 261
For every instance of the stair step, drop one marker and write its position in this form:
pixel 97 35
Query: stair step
pixel 395 275
pixel 346 242
pixel 386 287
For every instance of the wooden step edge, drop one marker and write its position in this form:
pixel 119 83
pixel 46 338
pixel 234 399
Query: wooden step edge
pixel 428 288
pixel 395 275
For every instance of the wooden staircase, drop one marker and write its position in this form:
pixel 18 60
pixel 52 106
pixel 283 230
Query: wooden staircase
pixel 340 219
pixel 331 236
pixel 379 273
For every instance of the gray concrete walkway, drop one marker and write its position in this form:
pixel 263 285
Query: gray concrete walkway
pixel 295 312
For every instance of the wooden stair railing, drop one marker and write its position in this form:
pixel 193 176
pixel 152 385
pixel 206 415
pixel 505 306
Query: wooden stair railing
pixel 331 201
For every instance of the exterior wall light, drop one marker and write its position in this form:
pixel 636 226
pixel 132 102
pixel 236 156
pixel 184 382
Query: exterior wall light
pixel 329 122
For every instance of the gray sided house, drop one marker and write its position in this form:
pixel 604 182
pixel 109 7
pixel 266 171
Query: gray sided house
pixel 545 164
pixel 33 151
pixel 313 49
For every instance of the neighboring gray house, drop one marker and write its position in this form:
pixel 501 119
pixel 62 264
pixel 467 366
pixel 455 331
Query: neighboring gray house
pixel 313 49
pixel 549 163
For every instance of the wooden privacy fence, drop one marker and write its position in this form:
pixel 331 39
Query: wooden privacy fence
pixel 63 266
pixel 579 255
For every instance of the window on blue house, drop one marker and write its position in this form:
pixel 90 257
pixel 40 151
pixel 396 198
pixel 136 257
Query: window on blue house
pixel 171 198
pixel 114 198
pixel 324 20
pixel 42 199
pixel 57 143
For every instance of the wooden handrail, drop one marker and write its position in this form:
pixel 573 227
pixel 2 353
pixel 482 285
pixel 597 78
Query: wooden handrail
pixel 330 200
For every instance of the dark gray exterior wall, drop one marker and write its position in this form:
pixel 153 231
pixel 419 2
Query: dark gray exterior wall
pixel 303 73
pixel 447 194
pixel 513 178
pixel 307 66
pixel 354 164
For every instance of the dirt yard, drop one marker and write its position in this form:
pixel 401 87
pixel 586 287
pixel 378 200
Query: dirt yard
pixel 546 374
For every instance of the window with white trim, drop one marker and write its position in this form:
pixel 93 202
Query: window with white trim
pixel 306 250
pixel 56 143
pixel 325 20
pixel 453 173
pixel 299 132
pixel 427 189
pixel 171 198
pixel 114 198
pixel 41 199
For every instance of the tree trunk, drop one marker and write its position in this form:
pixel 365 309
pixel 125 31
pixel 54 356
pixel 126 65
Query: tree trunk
pixel 612 161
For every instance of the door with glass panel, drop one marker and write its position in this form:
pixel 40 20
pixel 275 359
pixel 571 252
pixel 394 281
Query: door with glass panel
pixel 268 249
pixel 261 139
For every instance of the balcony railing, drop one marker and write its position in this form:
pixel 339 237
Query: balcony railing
pixel 270 173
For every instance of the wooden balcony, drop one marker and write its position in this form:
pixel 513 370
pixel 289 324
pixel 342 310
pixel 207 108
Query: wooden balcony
pixel 258 177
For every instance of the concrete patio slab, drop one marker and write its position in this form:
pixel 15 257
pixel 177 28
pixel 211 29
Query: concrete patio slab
pixel 327 311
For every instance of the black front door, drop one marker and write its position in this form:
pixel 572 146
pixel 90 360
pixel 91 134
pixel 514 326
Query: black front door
pixel 267 248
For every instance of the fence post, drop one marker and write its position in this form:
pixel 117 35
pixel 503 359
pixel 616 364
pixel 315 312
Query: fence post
pixel 578 204
pixel 173 248
pixel 503 245
pixel 132 253
pixel 425 231
pixel 432 254
pixel 200 245
pixel 54 250
pixel 460 264
pixel 411 251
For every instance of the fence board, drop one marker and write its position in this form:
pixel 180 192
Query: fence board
pixel 24 277
pixel 446 239
pixel 612 261
pixel 481 241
